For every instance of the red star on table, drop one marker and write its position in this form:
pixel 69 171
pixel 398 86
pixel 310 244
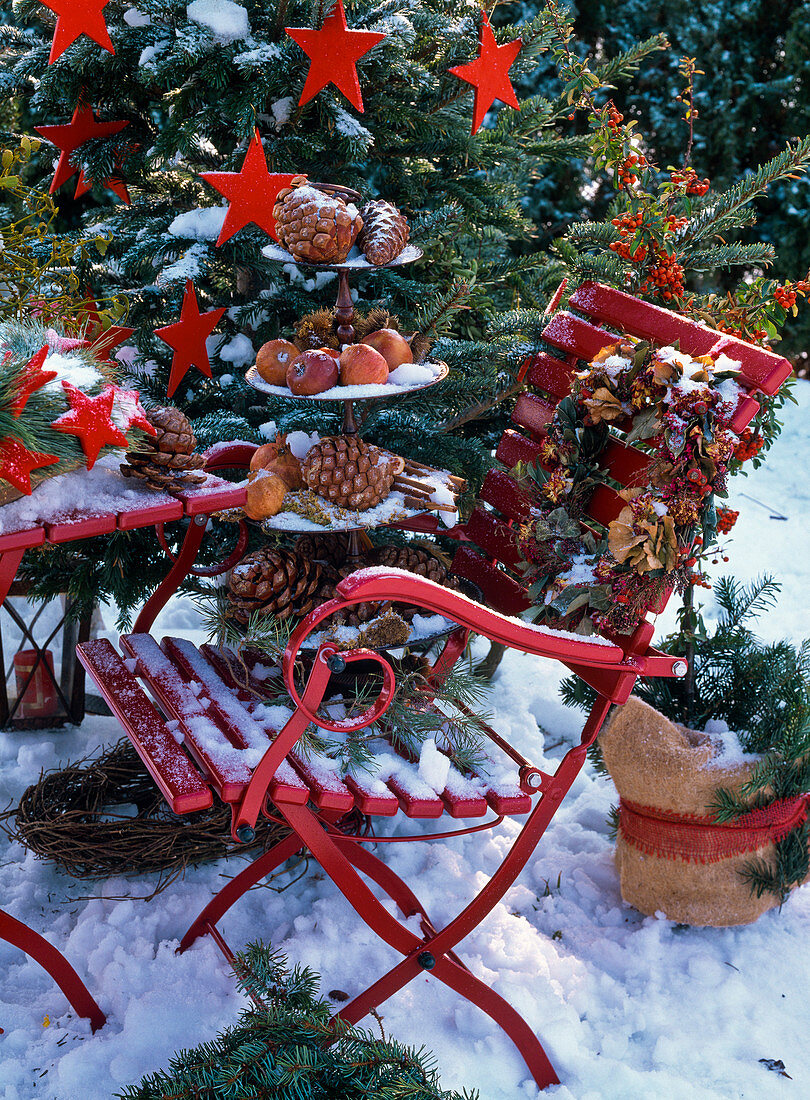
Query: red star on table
pixel 17 462
pixel 252 192
pixel 67 138
pixel 489 73
pixel 33 378
pixel 187 337
pixel 127 407
pixel 75 18
pixel 90 419
pixel 334 51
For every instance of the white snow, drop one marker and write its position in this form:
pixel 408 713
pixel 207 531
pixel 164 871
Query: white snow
pixel 201 224
pixel 300 443
pixel 424 375
pixel 228 22
pixel 628 1007
pixel 238 351
pixel 355 259
pixel 69 368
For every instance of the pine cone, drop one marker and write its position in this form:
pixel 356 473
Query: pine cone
pixel 324 549
pixel 415 561
pixel 313 226
pixel 384 233
pixel 349 472
pixel 273 582
pixel 166 462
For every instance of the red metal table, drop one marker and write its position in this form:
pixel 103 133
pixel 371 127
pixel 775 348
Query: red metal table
pixel 138 509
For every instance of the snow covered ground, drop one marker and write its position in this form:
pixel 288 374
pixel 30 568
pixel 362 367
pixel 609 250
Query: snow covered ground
pixel 628 1007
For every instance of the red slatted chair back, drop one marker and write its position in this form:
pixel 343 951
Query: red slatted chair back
pixel 597 316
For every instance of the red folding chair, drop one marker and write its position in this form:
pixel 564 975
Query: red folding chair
pixel 203 698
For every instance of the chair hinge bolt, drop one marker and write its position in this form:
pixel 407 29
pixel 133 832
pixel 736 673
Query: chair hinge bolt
pixel 336 663
pixel 426 960
pixel 245 833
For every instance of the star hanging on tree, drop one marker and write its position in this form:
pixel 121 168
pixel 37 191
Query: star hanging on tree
pixel 75 18
pixel 90 419
pixel 102 341
pixel 33 378
pixel 82 127
pixel 334 51
pixel 17 462
pixel 128 412
pixel 252 192
pixel 187 338
pixel 489 73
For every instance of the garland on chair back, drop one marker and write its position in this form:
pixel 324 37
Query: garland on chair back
pixel 675 408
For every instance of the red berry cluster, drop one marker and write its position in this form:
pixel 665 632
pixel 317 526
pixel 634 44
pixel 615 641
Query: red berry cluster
pixel 688 180
pixel 726 518
pixel 628 169
pixel 614 117
pixel 749 446
pixel 785 296
pixel 627 225
pixel 665 276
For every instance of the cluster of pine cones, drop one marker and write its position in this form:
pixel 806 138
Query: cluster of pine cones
pixel 320 228
pixel 286 583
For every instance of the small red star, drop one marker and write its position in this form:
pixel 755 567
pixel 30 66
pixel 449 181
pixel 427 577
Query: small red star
pixel 82 127
pixel 17 462
pixel 127 407
pixel 251 192
pixel 114 183
pixel 187 338
pixel 90 418
pixel 489 73
pixel 75 18
pixel 33 378
pixel 101 341
pixel 334 51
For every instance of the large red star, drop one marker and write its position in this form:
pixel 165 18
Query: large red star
pixel 33 378
pixel 75 18
pixel 90 418
pixel 251 192
pixel 82 127
pixel 489 73
pixel 17 462
pixel 334 51
pixel 187 338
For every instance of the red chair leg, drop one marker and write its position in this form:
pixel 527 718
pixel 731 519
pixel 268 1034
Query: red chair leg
pixel 29 941
pixel 236 887
pixel 176 575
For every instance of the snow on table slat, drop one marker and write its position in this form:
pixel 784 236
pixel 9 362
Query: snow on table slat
pixel 178 781
pixel 223 761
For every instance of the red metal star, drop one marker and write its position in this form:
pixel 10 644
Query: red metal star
pixel 90 419
pixel 334 51
pixel 101 341
pixel 187 338
pixel 75 18
pixel 129 412
pixel 32 379
pixel 17 462
pixel 251 192
pixel 114 183
pixel 489 73
pixel 69 137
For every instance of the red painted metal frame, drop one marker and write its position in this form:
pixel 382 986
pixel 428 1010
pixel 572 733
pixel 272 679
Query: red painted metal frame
pixel 20 935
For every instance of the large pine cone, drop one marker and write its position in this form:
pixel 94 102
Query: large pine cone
pixel 273 582
pixel 348 472
pixel 385 232
pixel 166 462
pixel 313 226
pixel 415 561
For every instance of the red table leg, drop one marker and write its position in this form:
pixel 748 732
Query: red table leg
pixel 9 564
pixel 29 941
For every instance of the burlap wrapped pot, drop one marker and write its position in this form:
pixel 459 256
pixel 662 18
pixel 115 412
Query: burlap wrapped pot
pixel 686 870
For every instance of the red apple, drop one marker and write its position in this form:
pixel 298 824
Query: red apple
pixel 361 365
pixel 391 345
pixel 330 351
pixel 312 372
pixel 272 361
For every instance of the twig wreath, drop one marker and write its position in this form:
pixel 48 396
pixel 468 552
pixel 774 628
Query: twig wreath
pixel 677 409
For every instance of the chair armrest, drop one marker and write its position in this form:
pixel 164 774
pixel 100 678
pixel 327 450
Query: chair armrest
pixel 227 456
pixel 380 583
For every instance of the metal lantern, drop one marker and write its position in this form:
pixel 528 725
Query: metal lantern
pixel 42 685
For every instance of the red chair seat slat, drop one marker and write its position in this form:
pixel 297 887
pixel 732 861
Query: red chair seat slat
pixel 179 782
pixel 514 448
pixel 551 375
pixel 499 589
pixel 221 760
pixel 494 537
pixel 570 333
pixel 502 492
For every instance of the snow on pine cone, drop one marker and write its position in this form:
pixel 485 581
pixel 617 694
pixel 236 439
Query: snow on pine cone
pixel 314 226
pixel 384 233
pixel 166 461
pixel 348 472
pixel 273 582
